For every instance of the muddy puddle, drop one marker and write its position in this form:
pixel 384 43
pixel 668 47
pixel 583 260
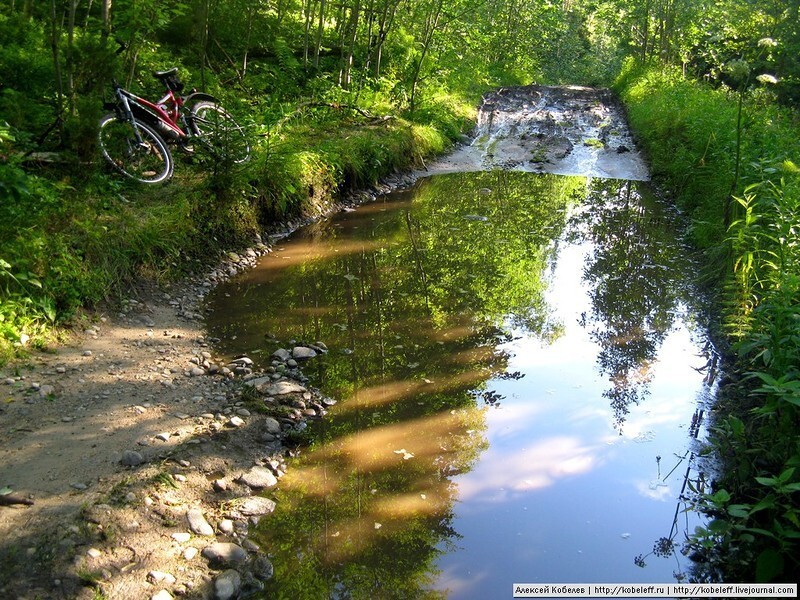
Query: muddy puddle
pixel 520 378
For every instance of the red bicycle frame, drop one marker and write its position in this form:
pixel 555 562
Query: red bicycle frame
pixel 166 112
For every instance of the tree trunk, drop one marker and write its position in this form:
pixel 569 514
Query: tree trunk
pixel 55 34
pixel 106 15
pixel 431 23
pixel 320 30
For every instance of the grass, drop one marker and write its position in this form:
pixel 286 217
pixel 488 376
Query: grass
pixel 72 238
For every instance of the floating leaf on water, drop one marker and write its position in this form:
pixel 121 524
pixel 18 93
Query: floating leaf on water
pixel 406 454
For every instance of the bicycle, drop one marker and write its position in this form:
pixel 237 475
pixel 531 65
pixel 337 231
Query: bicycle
pixel 134 138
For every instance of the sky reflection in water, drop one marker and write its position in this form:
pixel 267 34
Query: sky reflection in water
pixel 511 356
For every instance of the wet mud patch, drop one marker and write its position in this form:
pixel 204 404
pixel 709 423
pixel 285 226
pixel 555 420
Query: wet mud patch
pixel 566 130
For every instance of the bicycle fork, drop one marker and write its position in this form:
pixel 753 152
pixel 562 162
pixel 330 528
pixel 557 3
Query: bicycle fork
pixel 128 115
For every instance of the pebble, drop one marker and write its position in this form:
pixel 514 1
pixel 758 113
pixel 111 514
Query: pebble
pixel 236 421
pixel 93 552
pixel 227 585
pixel 262 568
pixel 224 553
pixel 303 353
pixel 87 352
pixel 256 506
pixel 226 526
pixel 131 458
pixel 181 537
pixel 190 553
pixel 160 576
pixel 258 478
pixel 79 486
pixel 197 372
pixel 162 595
pixel 164 436
pixel 272 426
pixel 198 523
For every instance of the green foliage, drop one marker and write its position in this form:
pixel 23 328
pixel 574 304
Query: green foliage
pixel 730 160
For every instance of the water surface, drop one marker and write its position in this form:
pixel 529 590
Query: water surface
pixel 516 366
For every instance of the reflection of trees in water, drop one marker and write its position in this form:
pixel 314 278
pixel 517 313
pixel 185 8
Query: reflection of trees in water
pixel 636 280
pixel 413 302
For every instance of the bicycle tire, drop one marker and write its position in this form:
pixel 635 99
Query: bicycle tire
pixel 148 162
pixel 219 132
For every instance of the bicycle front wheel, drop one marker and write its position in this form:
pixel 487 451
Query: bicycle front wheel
pixel 148 161
pixel 217 129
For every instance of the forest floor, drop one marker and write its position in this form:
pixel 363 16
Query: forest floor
pixel 131 452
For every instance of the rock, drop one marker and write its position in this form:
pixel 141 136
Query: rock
pixel 164 436
pixel 281 388
pixel 227 585
pixel 282 354
pixel 303 353
pixel 162 595
pixel 93 553
pixel 197 372
pixel 224 554
pixel 262 568
pixel 236 421
pixel 226 526
pixel 181 537
pixel 272 426
pixel 131 458
pixel 160 576
pixel 190 553
pixel 256 506
pixel 259 478
pixel 198 523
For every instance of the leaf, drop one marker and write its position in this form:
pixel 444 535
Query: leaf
pixel 769 565
pixel 739 510
pixel 5 491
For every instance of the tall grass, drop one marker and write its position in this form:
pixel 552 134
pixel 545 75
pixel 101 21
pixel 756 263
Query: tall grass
pixel 745 219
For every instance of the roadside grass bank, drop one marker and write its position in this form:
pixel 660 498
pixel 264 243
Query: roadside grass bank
pixel 73 235
pixel 728 157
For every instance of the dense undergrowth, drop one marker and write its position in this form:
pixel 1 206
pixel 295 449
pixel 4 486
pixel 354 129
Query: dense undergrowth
pixel 72 239
pixel 729 157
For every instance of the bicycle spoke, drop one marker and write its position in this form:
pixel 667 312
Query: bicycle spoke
pixel 148 161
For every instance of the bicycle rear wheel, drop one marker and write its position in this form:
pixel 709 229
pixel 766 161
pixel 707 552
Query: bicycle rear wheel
pixel 217 129
pixel 147 162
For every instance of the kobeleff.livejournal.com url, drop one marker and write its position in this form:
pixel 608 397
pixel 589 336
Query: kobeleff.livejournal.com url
pixel 655 590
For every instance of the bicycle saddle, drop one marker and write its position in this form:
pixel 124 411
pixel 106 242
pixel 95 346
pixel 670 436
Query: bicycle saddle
pixel 163 74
